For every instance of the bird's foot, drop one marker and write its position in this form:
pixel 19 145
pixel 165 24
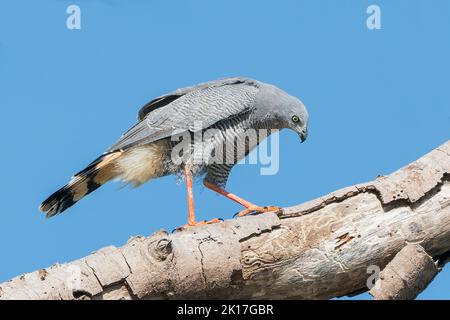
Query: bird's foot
pixel 197 224
pixel 257 210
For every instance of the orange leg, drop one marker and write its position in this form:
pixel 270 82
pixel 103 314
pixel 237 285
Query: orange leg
pixel 250 207
pixel 190 196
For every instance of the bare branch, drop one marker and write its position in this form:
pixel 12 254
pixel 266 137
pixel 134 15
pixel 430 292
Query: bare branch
pixel 318 250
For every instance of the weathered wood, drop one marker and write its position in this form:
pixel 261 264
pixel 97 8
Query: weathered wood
pixel 318 250
pixel 407 275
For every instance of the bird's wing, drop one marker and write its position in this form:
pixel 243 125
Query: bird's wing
pixel 190 109
pixel 166 99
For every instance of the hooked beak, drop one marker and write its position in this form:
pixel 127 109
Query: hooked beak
pixel 303 134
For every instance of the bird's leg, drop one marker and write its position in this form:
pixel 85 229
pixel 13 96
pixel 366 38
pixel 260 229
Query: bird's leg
pixel 190 196
pixel 250 207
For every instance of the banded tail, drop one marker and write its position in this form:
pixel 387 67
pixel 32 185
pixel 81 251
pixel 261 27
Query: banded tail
pixel 100 171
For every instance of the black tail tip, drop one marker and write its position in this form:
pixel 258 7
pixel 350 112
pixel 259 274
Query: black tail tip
pixel 57 203
pixel 48 210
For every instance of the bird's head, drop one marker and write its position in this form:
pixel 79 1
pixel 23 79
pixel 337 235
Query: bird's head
pixel 280 110
pixel 295 117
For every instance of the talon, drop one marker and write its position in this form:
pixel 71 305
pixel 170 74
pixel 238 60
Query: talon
pixel 250 207
pixel 257 210
pixel 204 222
pixel 197 224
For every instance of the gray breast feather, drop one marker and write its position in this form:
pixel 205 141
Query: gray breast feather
pixel 199 108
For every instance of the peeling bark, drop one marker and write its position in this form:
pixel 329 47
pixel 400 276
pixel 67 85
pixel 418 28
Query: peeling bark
pixel 317 250
pixel 407 275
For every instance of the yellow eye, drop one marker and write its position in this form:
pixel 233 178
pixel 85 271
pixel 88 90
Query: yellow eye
pixel 295 119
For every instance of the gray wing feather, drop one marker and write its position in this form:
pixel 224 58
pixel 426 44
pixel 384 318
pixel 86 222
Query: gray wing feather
pixel 164 100
pixel 196 107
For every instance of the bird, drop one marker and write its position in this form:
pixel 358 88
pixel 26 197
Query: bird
pixel 148 150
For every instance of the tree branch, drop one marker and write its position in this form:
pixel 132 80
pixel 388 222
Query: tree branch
pixel 411 270
pixel 317 250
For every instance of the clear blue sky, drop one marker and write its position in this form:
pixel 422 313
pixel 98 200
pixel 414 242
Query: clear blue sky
pixel 378 99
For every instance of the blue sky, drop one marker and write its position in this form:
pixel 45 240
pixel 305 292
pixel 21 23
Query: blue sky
pixel 378 99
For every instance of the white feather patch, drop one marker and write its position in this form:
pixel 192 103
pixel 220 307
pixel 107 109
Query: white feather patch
pixel 140 164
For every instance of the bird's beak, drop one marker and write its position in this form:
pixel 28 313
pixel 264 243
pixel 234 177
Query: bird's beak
pixel 303 134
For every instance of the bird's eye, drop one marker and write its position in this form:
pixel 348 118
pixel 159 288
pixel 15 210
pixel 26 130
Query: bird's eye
pixel 295 119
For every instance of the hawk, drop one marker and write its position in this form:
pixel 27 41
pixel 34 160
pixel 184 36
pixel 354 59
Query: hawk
pixel 229 107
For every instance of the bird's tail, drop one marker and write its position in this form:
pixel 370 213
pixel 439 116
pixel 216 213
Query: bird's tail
pixel 100 171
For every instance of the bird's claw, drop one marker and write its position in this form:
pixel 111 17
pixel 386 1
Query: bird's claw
pixel 197 224
pixel 257 210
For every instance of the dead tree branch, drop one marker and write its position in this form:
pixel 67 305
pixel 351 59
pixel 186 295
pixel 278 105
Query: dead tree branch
pixel 316 250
